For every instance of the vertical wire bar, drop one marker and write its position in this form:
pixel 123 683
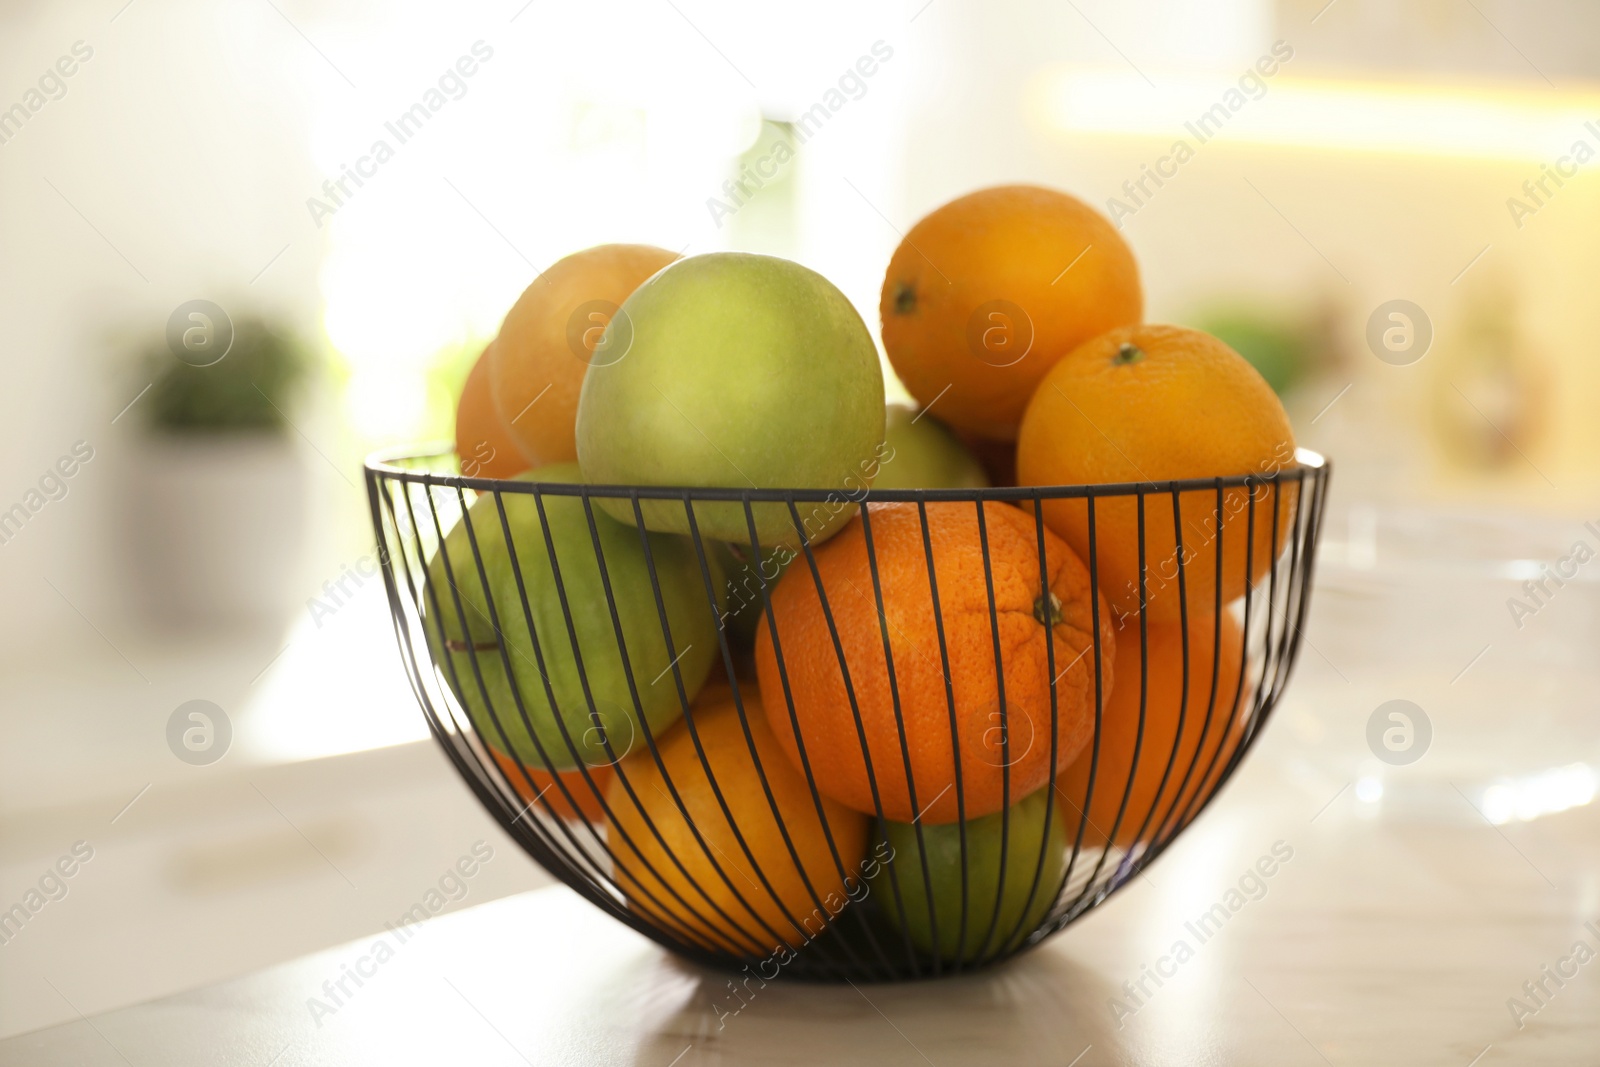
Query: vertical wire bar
pixel 1298 545
pixel 1015 939
pixel 1313 537
pixel 552 703
pixel 1299 525
pixel 1268 585
pixel 1005 730
pixel 610 597
pixel 1271 659
pixel 1253 718
pixel 955 735
pixel 377 496
pixel 697 541
pixel 1183 698
pixel 1144 688
pixel 1249 577
pixel 432 597
pixel 1140 841
pixel 1203 795
pixel 539 833
pixel 1069 908
pixel 552 858
pixel 1260 704
pixel 800 747
pixel 560 825
pixel 705 763
pixel 443 555
pixel 436 719
pixel 900 724
pixel 1194 804
pixel 397 602
pixel 549 765
pixel 621 775
pixel 504 644
pixel 912 967
pixel 467 728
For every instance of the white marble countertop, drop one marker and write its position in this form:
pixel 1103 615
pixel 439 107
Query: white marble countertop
pixel 1421 906
pixel 1374 944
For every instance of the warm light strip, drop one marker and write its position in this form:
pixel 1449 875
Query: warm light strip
pixel 1510 122
pixel 1546 793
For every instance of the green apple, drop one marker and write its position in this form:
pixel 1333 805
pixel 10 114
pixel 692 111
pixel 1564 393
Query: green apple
pixel 923 453
pixel 1023 900
pixel 735 371
pixel 472 653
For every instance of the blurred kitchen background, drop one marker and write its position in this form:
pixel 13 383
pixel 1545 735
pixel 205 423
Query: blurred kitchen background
pixel 211 541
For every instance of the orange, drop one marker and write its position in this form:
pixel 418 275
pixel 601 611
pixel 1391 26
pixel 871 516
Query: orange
pixel 1176 730
pixel 545 788
pixel 1000 747
pixel 1150 404
pixel 987 292
pixel 484 446
pixel 758 901
pixel 548 339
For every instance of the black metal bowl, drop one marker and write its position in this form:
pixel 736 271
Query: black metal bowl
pixel 729 911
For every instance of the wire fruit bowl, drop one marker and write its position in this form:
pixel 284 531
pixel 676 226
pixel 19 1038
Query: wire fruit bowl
pixel 972 799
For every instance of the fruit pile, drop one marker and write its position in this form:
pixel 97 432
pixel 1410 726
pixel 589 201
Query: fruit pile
pixel 777 708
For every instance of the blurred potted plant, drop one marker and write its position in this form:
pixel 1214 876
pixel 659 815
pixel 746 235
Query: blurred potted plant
pixel 217 499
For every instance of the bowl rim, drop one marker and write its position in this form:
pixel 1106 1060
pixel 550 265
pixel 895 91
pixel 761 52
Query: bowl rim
pixel 384 463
